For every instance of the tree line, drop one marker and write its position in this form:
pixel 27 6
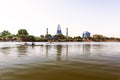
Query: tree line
pixel 23 35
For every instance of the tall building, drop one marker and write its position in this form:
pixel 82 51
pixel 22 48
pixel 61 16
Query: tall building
pixel 59 29
pixel 86 34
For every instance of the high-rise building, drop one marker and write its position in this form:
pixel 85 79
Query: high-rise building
pixel 59 29
pixel 86 34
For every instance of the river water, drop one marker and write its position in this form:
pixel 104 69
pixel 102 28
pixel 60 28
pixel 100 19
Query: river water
pixel 60 61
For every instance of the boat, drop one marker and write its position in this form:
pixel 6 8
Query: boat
pixel 25 44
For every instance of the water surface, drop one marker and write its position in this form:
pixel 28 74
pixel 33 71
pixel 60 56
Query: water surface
pixel 60 61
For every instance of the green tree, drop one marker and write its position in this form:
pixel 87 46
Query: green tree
pixel 25 38
pixel 48 36
pixel 37 39
pixel 10 36
pixel 5 33
pixel 59 37
pixel 22 32
pixel 78 38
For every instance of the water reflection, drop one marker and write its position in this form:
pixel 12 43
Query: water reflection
pixel 59 52
pixel 22 51
pixel 97 46
pixel 5 50
pixel 31 63
pixel 86 49
pixel 66 52
pixel 46 51
pixel 47 47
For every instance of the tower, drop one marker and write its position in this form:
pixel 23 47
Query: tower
pixel 47 31
pixel 67 33
pixel 59 29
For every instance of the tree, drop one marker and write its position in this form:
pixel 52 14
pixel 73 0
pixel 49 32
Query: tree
pixel 59 37
pixel 22 32
pixel 37 39
pixel 78 38
pixel 48 36
pixel 98 37
pixel 5 33
pixel 30 38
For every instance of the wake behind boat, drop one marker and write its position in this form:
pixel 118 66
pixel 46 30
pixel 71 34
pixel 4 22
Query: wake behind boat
pixel 32 44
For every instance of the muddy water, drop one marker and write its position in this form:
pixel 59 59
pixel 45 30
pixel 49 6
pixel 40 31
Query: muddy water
pixel 60 61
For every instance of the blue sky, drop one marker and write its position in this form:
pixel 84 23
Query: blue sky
pixel 95 16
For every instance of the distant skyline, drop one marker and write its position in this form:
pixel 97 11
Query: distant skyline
pixel 95 16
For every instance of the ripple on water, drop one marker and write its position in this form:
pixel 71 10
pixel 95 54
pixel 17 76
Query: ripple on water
pixel 60 61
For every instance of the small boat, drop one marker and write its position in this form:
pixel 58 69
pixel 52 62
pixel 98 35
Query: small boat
pixel 23 45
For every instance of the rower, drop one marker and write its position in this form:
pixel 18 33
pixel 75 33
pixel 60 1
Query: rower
pixel 33 44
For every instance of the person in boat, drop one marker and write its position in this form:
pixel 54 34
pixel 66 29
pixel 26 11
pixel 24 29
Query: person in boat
pixel 25 44
pixel 33 44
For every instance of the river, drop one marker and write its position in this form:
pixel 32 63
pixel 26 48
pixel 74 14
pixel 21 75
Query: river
pixel 60 61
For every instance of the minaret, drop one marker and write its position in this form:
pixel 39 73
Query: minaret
pixel 47 31
pixel 67 33
pixel 59 29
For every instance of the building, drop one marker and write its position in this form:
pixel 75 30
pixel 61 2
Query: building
pixel 59 31
pixel 97 36
pixel 86 34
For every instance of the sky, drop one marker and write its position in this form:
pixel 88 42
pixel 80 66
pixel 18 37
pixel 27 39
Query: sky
pixel 95 16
